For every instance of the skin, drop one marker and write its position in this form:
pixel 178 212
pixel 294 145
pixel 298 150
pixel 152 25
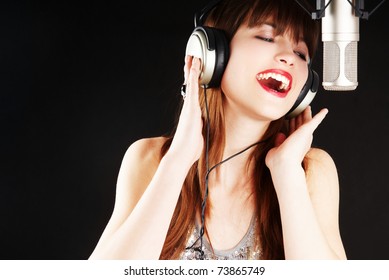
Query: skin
pixel 148 189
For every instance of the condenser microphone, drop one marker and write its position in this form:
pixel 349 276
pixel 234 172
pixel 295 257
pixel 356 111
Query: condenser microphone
pixel 340 36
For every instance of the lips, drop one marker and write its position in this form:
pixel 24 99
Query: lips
pixel 275 81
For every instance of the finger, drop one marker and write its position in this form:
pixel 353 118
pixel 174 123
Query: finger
pixel 195 67
pixel 299 120
pixel 193 78
pixel 292 125
pixel 307 114
pixel 188 61
pixel 317 119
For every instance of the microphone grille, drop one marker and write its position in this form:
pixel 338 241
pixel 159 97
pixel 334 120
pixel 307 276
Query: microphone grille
pixel 331 61
pixel 340 65
pixel 351 64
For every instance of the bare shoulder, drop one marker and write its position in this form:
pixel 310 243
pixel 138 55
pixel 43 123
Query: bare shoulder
pixel 138 167
pixel 321 170
pixel 146 150
pixel 319 160
pixel 323 186
pixel 142 158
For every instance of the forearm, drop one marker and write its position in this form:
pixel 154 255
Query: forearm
pixel 303 236
pixel 143 233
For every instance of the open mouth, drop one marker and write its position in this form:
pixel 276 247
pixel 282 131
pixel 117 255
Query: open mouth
pixel 275 81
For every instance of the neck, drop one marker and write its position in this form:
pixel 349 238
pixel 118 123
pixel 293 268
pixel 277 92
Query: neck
pixel 241 131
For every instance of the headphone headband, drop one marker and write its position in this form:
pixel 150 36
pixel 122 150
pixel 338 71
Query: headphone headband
pixel 212 47
pixel 200 17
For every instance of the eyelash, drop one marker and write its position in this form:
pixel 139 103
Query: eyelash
pixel 301 55
pixel 271 40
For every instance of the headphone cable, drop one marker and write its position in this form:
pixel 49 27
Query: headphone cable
pixel 204 202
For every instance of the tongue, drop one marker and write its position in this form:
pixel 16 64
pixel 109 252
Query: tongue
pixel 272 83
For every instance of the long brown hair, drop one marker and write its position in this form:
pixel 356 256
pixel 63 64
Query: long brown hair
pixel 228 15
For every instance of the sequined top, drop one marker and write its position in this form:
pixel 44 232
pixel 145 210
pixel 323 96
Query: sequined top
pixel 246 249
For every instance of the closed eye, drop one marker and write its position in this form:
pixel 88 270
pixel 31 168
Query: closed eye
pixel 301 55
pixel 271 40
pixel 266 39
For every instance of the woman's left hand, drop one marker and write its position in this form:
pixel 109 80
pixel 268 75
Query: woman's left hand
pixel 290 151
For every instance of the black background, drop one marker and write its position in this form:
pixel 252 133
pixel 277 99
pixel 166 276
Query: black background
pixel 80 81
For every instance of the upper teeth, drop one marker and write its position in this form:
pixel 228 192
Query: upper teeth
pixel 285 81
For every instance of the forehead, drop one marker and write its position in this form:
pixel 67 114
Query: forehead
pixel 269 26
pixel 281 25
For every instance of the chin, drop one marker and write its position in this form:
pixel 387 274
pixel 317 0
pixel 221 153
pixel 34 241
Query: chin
pixel 270 116
pixel 272 113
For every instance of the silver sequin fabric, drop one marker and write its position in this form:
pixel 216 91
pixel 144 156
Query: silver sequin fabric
pixel 246 249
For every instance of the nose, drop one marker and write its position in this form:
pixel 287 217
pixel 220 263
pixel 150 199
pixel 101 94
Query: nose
pixel 286 57
pixel 285 53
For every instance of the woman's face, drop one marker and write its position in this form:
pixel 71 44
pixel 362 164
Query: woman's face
pixel 265 73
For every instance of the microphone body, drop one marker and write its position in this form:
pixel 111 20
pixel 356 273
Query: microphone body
pixel 340 34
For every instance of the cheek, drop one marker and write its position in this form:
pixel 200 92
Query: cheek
pixel 239 70
pixel 234 78
pixel 228 85
pixel 300 78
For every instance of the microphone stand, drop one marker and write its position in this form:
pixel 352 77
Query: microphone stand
pixel 359 8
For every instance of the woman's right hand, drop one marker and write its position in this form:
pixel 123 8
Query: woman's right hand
pixel 188 141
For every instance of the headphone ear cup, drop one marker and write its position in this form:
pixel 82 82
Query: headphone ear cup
pixel 306 95
pixel 222 56
pixel 211 46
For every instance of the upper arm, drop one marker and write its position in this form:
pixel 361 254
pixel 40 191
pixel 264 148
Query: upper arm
pixel 323 184
pixel 136 171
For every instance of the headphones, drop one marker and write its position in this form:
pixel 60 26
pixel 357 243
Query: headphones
pixel 212 47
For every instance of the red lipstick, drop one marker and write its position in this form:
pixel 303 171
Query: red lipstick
pixel 275 81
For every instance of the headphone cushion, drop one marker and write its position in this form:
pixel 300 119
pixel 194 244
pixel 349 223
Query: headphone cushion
pixel 222 55
pixel 306 95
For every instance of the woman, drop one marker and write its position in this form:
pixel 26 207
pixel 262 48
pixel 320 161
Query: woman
pixel 184 197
